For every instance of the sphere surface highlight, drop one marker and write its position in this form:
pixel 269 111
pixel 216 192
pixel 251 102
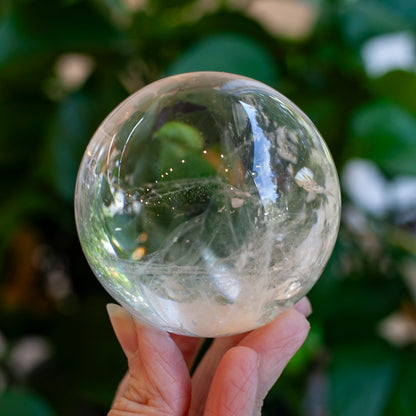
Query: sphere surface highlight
pixel 207 203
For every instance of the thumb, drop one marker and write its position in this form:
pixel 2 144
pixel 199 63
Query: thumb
pixel 234 386
pixel 157 381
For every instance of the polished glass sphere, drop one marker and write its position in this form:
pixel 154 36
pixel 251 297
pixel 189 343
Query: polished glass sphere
pixel 207 203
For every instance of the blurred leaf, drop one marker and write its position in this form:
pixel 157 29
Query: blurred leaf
pixel 162 4
pixel 5 7
pixel 403 401
pixel 228 52
pixel 23 403
pixel 358 305
pixel 399 86
pixel 360 20
pixel 385 133
pixel 403 8
pixel 16 208
pixel 92 379
pixel 180 141
pixel 71 128
pixel 181 135
pixel 359 299
pixel 116 7
pixel 69 133
pixel 22 116
pixel 28 34
pixel 361 379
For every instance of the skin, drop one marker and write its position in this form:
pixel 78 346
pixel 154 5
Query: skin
pixel 232 379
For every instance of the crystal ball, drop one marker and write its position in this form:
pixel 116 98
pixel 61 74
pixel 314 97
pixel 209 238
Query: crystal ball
pixel 207 203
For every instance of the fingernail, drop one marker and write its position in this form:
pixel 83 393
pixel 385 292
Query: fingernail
pixel 124 328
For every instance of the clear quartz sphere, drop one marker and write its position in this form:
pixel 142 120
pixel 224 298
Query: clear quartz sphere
pixel 207 203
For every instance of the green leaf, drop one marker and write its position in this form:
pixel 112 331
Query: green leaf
pixel 180 134
pixel 363 296
pixel 23 403
pixel 181 141
pixel 385 133
pixel 360 20
pixel 405 8
pixel 228 52
pixel 69 132
pixel 361 379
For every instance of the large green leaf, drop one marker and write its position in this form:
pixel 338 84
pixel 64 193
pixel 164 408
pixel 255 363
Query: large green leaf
pixel 361 379
pixel 228 52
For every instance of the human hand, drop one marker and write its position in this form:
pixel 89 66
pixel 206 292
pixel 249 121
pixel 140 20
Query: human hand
pixel 232 379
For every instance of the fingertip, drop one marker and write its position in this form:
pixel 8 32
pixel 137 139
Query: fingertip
pixel 234 386
pixel 115 311
pixel 304 306
pixel 296 324
pixel 124 328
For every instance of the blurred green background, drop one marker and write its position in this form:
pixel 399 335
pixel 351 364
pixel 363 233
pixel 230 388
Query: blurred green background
pixel 350 65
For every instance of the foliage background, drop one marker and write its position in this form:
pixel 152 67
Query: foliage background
pixel 64 64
